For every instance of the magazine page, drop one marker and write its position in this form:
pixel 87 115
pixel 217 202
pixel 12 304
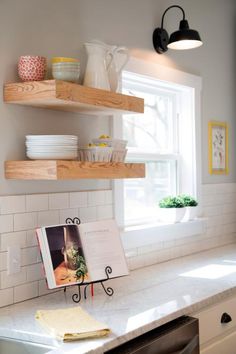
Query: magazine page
pixel 65 260
pixel 102 247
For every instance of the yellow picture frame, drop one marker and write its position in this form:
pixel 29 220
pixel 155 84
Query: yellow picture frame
pixel 218 147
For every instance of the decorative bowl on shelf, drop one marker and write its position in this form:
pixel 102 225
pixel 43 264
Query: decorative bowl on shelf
pixel 119 155
pixel 32 68
pixel 95 153
pixel 67 71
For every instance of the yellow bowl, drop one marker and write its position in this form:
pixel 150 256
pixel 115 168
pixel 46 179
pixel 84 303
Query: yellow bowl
pixel 64 60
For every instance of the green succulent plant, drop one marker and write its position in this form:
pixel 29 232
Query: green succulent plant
pixel 188 200
pixel 171 202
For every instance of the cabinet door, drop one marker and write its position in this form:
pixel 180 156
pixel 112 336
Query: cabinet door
pixel 210 320
pixel 226 345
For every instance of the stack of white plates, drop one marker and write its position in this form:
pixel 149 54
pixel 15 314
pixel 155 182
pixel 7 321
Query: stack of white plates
pixel 56 147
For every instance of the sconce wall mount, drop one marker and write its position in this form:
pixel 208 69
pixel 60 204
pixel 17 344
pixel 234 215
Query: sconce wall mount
pixel 184 38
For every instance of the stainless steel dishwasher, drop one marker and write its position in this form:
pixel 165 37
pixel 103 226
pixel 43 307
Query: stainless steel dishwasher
pixel 180 336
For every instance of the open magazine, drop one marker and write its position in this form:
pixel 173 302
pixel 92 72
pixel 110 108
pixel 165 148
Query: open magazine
pixel 74 253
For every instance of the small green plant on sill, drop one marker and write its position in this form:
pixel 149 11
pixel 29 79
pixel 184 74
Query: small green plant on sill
pixel 171 202
pixel 188 200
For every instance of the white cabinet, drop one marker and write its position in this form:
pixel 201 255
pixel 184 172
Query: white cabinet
pixel 226 345
pixel 218 336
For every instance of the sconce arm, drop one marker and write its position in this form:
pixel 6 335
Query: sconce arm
pixel 168 8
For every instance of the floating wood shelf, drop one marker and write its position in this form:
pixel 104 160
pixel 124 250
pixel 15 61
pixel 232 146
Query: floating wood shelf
pixel 63 169
pixel 66 96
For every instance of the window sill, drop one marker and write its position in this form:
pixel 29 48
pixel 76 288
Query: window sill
pixel 138 236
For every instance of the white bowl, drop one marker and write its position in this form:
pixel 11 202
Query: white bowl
pixel 118 155
pixel 95 153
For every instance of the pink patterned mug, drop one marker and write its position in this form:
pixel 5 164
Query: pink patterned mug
pixel 32 68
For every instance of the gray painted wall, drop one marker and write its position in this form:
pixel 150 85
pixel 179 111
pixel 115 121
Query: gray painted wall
pixel 60 27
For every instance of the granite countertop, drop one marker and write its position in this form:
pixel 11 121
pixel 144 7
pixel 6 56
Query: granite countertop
pixel 145 299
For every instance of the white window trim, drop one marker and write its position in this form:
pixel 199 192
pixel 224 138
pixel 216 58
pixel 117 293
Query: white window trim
pixel 148 234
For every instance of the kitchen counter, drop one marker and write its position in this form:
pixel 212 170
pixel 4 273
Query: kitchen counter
pixel 147 298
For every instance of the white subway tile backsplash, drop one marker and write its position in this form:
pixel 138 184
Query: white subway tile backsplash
pixel 13 238
pixel 131 253
pixel 6 297
pixel 229 207
pixel 229 228
pixel 78 199
pixel 20 215
pixel 6 223
pixel 31 239
pixel 213 210
pixel 12 204
pixel 209 189
pixel 59 201
pixel 214 231
pixel 104 212
pixel 136 262
pixel 3 261
pixel 36 202
pixel 26 291
pixel 88 214
pixel 96 198
pixel 108 197
pixel 49 217
pixel 67 213
pixel 11 280
pixel 212 200
pixel 214 221
pixel 25 221
pixel 43 289
pixel 35 272
pixel 229 218
pixel 30 255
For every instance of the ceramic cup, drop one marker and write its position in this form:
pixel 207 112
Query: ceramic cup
pixel 32 68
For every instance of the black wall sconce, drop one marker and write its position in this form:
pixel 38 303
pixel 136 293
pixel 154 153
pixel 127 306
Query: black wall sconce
pixel 184 38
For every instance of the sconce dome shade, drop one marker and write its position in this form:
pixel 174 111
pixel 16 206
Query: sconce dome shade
pixel 184 38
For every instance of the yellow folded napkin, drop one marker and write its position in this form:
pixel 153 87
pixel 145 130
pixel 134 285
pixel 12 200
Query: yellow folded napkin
pixel 71 324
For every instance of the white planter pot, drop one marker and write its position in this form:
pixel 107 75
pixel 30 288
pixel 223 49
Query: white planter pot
pixel 171 215
pixel 191 213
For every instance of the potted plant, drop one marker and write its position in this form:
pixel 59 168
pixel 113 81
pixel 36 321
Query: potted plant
pixel 190 204
pixel 171 209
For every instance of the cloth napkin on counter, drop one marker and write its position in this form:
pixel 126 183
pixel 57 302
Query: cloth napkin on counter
pixel 71 324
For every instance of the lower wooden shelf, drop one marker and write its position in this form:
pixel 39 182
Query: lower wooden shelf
pixel 64 169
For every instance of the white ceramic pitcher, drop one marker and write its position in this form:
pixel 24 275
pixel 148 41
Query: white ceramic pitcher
pixel 98 63
pixel 120 58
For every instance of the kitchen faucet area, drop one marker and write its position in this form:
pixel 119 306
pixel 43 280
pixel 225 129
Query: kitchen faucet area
pixel 118 182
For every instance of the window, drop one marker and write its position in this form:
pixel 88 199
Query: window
pixel 164 138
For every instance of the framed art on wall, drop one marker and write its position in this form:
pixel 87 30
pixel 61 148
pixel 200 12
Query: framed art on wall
pixel 218 147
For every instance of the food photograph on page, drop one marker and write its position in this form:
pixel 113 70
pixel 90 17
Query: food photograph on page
pixel 68 260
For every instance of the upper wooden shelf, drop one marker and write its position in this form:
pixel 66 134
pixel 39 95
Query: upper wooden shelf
pixel 66 96
pixel 63 169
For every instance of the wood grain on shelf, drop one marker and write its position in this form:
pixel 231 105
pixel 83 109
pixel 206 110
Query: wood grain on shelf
pixel 66 96
pixel 63 169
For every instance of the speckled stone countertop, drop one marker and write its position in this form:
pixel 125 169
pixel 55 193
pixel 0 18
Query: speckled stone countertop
pixel 145 299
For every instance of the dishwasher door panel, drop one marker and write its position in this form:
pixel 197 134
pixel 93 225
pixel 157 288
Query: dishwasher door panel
pixel 180 336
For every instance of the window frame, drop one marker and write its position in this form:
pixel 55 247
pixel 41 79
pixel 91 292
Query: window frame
pixel 165 74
